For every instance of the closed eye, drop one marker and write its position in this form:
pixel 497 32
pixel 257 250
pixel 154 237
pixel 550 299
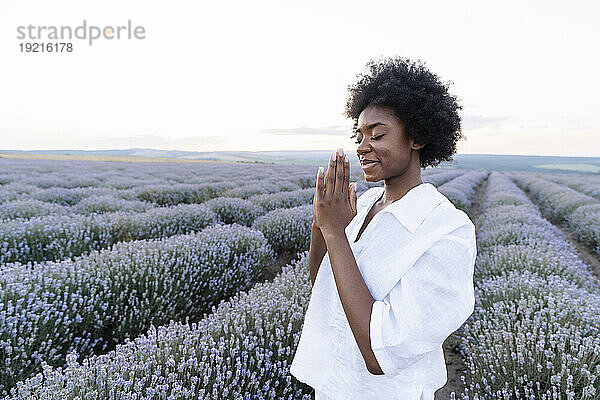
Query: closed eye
pixel 373 138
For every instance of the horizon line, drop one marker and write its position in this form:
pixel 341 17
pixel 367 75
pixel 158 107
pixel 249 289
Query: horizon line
pixel 266 151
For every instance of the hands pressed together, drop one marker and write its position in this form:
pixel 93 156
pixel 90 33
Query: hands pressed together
pixel 334 204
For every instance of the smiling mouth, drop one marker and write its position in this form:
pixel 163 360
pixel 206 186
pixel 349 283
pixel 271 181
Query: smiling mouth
pixel 368 164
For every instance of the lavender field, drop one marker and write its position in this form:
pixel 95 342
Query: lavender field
pixel 175 281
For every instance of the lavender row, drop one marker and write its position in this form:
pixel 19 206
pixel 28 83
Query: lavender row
pixel 512 234
pixel 173 194
pixel 101 204
pixel 436 177
pixel 58 237
pixel 535 330
pixel 166 194
pixel 94 204
pixel 270 209
pixel 19 191
pixel 584 183
pixel 579 213
pixel 53 238
pixel 461 190
pixel 122 175
pixel 286 199
pixel 439 177
pixel 91 303
pixel 241 351
pixel 287 229
pixel 89 200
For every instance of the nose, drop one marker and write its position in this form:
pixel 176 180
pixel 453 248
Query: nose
pixel 363 148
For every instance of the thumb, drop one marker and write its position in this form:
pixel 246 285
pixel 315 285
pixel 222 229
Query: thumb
pixel 353 196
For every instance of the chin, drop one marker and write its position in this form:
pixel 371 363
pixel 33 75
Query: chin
pixel 370 178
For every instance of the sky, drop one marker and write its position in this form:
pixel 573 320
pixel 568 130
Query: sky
pixel 273 75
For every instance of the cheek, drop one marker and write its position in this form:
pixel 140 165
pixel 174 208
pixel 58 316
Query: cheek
pixel 395 154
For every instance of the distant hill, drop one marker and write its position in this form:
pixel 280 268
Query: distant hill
pixel 471 161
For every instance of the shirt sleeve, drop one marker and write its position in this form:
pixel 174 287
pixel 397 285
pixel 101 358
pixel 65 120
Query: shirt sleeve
pixel 432 300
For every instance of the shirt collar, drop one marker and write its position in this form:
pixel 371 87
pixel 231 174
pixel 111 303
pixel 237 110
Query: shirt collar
pixel 414 206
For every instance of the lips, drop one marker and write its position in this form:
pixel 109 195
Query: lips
pixel 366 164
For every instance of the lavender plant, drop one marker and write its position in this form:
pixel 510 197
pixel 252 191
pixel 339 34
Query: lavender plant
pixel 182 193
pixel 251 189
pixel 25 209
pixel 586 184
pixel 287 229
pixel 561 204
pixel 439 177
pixel 533 337
pixel 534 332
pixel 241 351
pixel 289 199
pixel 104 204
pixel 71 196
pixel 91 303
pixel 461 190
pixel 15 191
pixel 58 237
pixel 231 210
pixel 584 222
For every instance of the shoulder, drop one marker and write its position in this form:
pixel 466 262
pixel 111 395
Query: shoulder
pixel 454 222
pixel 447 209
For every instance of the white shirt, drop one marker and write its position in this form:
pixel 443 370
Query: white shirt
pixel 417 258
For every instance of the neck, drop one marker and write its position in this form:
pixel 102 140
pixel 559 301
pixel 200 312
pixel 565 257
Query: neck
pixel 398 186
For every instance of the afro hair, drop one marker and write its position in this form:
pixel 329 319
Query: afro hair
pixel 419 99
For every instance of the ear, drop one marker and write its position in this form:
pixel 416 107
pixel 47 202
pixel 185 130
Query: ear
pixel 415 146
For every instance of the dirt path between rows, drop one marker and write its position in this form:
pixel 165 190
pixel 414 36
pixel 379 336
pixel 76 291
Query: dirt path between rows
pixel 455 364
pixel 586 254
pixel 269 273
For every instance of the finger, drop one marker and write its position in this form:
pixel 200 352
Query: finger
pixel 330 176
pixel 346 175
pixel 353 197
pixel 320 187
pixel 339 173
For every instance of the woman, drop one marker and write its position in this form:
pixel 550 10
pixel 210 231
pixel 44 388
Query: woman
pixel 392 271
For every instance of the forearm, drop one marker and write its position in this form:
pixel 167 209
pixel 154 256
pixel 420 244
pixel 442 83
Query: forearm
pixel 316 252
pixel 355 296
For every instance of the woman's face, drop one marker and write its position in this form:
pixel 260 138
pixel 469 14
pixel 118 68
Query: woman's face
pixel 383 144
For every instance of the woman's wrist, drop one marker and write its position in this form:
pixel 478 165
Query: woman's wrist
pixel 317 237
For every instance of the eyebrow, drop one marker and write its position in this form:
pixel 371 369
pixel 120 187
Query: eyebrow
pixel 373 125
